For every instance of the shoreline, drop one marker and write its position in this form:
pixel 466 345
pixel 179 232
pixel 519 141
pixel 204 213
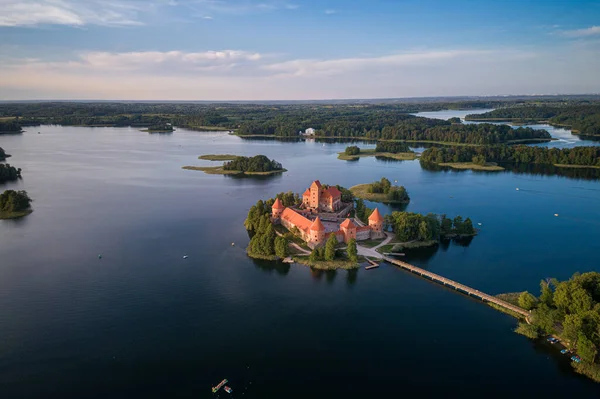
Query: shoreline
pixel 489 166
pixel 218 157
pixel 218 170
pixel 15 215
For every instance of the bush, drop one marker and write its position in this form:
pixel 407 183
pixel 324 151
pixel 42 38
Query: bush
pixel 352 150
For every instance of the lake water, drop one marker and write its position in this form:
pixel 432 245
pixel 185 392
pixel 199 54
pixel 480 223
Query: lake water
pixel 143 322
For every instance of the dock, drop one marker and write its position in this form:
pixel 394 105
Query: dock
pixel 393 253
pixel 371 267
pixel 482 296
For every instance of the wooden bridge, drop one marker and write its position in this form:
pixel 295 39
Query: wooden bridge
pixel 458 286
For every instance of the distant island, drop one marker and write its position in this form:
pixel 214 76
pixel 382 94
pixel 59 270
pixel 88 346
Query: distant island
pixel 238 165
pixel 8 173
pixel 3 155
pixel 568 311
pixel 485 158
pixel 162 128
pixel 14 204
pixel 381 191
pixel 393 150
pixel 218 157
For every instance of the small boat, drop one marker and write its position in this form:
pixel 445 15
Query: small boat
pixel 99 256
pixel 185 256
pixel 517 188
pixel 576 359
pixel 564 351
pixel 479 224
pixel 552 340
pixel 227 389
pixel 556 214
pixel 215 389
pixel 233 244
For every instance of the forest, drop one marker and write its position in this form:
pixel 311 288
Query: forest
pixel 3 155
pixel 393 147
pixel 9 127
pixel 14 201
pixel 393 193
pixel 519 154
pixel 257 163
pixel 571 310
pixel 583 119
pixel 409 226
pixel 265 244
pixel 8 173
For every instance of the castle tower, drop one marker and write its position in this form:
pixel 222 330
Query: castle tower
pixel 277 209
pixel 317 232
pixel 349 230
pixel 376 224
pixel 315 194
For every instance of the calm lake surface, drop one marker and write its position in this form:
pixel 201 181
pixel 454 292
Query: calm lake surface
pixel 143 322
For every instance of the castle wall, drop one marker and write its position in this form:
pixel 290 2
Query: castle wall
pixel 363 234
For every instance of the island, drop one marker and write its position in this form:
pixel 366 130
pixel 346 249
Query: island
pixel 256 165
pixel 3 155
pixel 568 314
pixel 486 157
pixel 392 150
pixel 327 228
pixel 218 157
pixel 381 191
pixel 14 204
pixel 162 128
pixel 8 173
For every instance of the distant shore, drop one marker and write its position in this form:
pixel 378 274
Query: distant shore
pixel 218 157
pixel 401 156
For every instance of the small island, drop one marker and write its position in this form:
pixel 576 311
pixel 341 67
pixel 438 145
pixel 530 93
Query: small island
pixel 257 165
pixel 10 127
pixel 3 155
pixel 14 204
pixel 218 157
pixel 385 149
pixel 8 173
pixel 381 191
pixel 567 314
pixel 162 128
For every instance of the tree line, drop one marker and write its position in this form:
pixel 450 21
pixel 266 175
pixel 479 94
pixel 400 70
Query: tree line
pixel 393 147
pixel 582 118
pixel 519 154
pixel 571 310
pixel 409 226
pixel 258 163
pixel 8 173
pixel 10 127
pixel 264 242
pixel 14 201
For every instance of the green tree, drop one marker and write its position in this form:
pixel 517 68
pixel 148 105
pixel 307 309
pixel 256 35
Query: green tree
pixel 468 227
pixel 352 251
pixel 586 349
pixel 446 226
pixel 527 301
pixel 314 255
pixel 424 232
pixel 281 247
pixel 330 247
pixel 546 296
pixel 572 326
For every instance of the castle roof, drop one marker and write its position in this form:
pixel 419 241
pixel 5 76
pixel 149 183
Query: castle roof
pixel 347 224
pixel 317 225
pixel 332 192
pixel 296 219
pixel 376 216
pixel 316 183
pixel 306 193
pixel 277 204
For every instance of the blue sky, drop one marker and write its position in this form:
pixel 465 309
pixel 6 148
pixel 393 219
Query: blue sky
pixel 296 49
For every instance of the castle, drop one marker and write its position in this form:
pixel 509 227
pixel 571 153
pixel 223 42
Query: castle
pixel 319 199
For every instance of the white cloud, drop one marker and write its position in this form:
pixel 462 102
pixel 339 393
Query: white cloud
pixel 591 31
pixel 330 12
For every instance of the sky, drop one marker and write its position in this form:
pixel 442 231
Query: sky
pixel 296 49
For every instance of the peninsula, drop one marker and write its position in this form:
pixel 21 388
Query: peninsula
pixel 238 165
pixel 392 150
pixel 3 155
pixel 14 204
pixel 8 173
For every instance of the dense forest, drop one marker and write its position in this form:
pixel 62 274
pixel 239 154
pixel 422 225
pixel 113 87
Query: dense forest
pixel 14 201
pixel 583 119
pixel 410 226
pixel 570 309
pixel 391 146
pixel 520 154
pixel 258 163
pixel 9 127
pixel 265 244
pixel 8 173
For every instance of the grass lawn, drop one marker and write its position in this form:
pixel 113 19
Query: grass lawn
pixel 339 263
pixel 401 156
pixel 218 157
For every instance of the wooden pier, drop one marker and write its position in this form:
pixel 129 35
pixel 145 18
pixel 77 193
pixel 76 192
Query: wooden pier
pixel 458 286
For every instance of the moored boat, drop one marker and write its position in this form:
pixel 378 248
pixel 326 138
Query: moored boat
pixel 215 389
pixel 228 390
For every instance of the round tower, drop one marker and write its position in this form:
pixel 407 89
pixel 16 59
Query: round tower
pixel 317 232
pixel 376 223
pixel 277 209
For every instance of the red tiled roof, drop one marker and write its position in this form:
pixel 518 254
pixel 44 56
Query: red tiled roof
pixel 347 224
pixel 277 204
pixel 376 216
pixel 317 225
pixel 316 183
pixel 296 219
pixel 306 193
pixel 334 192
